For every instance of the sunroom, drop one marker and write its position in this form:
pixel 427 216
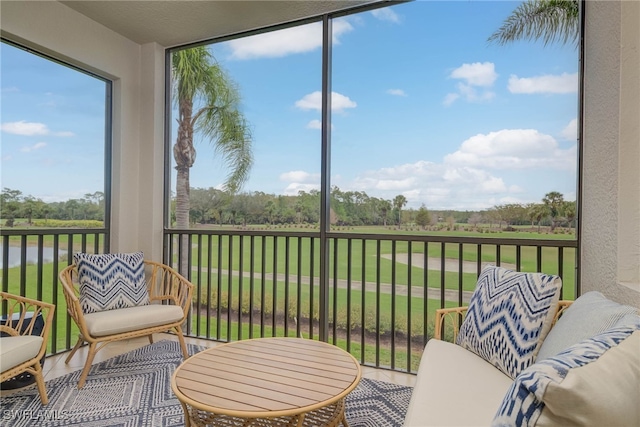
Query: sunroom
pixel 126 44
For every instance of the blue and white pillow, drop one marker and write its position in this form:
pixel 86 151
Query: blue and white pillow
pixel 111 281
pixel 510 313
pixel 594 382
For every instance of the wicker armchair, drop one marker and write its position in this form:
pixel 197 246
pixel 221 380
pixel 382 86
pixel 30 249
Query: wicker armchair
pixel 23 345
pixel 448 320
pixel 170 300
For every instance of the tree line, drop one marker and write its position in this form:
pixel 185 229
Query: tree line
pixel 14 205
pixel 348 208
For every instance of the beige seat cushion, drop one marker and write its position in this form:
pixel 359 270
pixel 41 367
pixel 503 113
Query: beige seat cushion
pixel 17 350
pixel 455 387
pixel 130 319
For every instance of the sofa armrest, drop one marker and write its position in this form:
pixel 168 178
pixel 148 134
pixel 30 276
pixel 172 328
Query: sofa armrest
pixel 449 319
pixel 562 306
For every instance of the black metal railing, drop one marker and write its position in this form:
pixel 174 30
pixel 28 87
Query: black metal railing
pixel 383 289
pixel 30 262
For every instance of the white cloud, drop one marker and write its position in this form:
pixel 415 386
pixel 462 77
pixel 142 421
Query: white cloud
pixel 31 129
pixel 476 79
pixel 313 101
pixel 34 147
pixel 315 124
pixel 476 74
pixel 513 149
pixel 570 132
pixel 295 187
pixel 289 41
pixel 25 128
pixel 386 14
pixel 396 92
pixel 300 181
pixel 450 98
pixel 299 176
pixel 471 94
pixel 564 83
pixel 476 176
pixel 64 133
pixel 434 184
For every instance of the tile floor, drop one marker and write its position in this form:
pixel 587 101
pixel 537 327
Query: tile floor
pixel 54 366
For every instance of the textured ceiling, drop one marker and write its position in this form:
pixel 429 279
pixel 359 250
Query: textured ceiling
pixel 177 22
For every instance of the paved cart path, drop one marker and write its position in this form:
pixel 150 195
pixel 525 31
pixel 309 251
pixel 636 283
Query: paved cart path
pixel 450 264
pixel 417 260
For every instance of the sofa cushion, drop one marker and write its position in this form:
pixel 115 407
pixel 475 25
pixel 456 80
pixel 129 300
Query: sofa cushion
pixel 589 315
pixel 595 382
pixel 15 350
pixel 455 387
pixel 111 281
pixel 131 319
pixel 510 314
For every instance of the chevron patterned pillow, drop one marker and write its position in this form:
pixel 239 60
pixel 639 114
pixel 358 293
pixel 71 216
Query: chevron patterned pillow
pixel 510 313
pixel 111 281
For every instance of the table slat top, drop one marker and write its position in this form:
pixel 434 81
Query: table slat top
pixel 266 377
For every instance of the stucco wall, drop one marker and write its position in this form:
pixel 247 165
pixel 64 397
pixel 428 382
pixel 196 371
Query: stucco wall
pixel 60 32
pixel 610 256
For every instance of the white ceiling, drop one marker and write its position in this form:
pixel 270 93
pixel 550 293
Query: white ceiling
pixel 177 22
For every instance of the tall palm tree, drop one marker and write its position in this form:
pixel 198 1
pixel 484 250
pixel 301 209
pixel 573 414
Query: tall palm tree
pixel 385 207
pixel 549 20
pixel 399 202
pixel 208 103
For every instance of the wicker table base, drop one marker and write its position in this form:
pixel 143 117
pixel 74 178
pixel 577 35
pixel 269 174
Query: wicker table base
pixel 328 416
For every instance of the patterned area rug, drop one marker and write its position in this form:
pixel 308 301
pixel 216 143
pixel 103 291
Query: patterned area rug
pixel 134 389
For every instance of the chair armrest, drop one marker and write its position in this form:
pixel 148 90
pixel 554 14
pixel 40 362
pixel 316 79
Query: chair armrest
pixel 166 284
pixel 449 316
pixel 562 306
pixel 69 279
pixel 20 315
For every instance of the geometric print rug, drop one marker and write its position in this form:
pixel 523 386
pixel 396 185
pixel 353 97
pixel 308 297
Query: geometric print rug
pixel 134 389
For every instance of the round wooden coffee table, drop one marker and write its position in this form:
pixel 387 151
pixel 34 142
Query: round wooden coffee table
pixel 266 382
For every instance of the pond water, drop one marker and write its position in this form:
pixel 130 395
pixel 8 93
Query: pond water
pixel 32 255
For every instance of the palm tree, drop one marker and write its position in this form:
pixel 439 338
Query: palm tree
pixel 399 202
pixel 208 102
pixel 549 20
pixel 385 207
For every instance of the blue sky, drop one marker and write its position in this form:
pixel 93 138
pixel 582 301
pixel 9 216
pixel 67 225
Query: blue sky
pixel 422 106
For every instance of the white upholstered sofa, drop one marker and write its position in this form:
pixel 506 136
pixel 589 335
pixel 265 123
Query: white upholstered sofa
pixel 583 369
